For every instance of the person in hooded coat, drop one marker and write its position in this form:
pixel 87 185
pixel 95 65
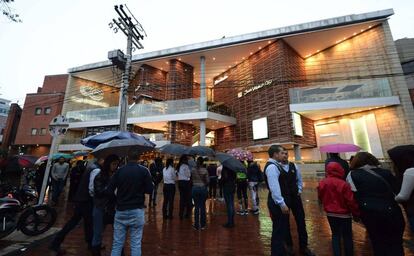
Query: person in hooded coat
pixel 403 159
pixel 340 206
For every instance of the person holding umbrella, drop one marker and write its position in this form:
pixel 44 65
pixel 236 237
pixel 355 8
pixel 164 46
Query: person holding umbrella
pixel 156 170
pixel 199 176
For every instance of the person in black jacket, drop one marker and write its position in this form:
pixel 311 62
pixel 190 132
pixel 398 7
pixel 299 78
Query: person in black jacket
pixel 102 203
pixel 82 210
pixel 75 177
pixel 156 173
pixel 374 188
pixel 131 182
pixel 254 176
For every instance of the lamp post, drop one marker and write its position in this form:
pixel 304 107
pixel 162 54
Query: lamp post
pixel 57 127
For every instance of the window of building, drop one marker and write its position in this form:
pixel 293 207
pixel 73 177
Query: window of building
pixel 43 131
pixel 34 131
pixel 48 110
pixel 38 111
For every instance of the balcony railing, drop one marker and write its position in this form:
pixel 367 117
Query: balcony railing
pixel 150 136
pixel 184 106
pixel 370 89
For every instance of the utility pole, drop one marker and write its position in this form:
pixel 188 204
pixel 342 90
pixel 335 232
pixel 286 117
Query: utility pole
pixel 132 30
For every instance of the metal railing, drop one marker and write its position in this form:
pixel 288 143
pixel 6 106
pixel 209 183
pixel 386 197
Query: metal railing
pixel 143 110
pixel 369 89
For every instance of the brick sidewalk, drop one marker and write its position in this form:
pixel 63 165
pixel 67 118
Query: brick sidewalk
pixel 251 236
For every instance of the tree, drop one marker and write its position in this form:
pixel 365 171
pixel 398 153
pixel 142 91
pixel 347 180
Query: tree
pixel 8 11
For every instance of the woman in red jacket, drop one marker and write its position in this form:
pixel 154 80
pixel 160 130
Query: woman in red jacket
pixel 340 205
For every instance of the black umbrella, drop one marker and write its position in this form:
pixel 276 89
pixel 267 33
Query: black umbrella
pixel 174 149
pixel 201 151
pixel 122 147
pixel 230 162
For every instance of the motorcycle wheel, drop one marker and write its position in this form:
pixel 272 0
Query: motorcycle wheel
pixel 37 219
pixel 9 225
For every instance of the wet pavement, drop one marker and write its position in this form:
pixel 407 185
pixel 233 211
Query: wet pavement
pixel 251 236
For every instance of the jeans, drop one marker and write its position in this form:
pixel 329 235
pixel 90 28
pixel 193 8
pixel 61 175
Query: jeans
pixel 254 195
pixel 184 187
pixel 242 194
pixel 134 221
pixel 212 187
pixel 81 211
pixel 296 207
pixel 228 193
pixel 98 226
pixel 168 203
pixel 153 195
pixel 199 197
pixel 341 228
pixel 280 228
pixel 57 188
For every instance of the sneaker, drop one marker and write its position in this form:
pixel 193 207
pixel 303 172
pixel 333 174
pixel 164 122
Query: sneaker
pixel 306 251
pixel 195 227
pixel 203 227
pixel 246 212
pixel 256 212
pixel 240 212
pixel 227 225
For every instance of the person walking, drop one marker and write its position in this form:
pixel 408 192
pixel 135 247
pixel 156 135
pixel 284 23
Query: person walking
pixel 340 206
pixel 242 184
pixel 102 202
pixel 131 182
pixel 75 177
pixel 40 174
pixel 156 170
pixel 374 189
pixel 58 173
pixel 228 179
pixel 254 177
pixel 199 176
pixel 168 189
pixel 82 210
pixel 212 184
pixel 184 186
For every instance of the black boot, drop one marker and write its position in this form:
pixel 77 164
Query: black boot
pixel 96 250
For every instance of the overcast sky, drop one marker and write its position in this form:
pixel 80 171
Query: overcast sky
pixel 56 35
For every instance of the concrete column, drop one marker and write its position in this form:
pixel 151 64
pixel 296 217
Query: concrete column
pixel 298 155
pixel 202 132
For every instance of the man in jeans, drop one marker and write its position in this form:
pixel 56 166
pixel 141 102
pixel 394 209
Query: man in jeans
pixel 59 172
pixel 131 183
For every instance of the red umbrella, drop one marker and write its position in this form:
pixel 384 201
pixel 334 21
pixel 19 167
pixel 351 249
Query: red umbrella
pixel 339 148
pixel 26 161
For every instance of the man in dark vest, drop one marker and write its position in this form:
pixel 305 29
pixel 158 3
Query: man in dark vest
pixel 285 185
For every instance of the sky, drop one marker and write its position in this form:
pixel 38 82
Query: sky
pixel 59 34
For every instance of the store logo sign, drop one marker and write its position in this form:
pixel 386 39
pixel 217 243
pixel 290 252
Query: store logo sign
pixel 92 92
pixel 254 88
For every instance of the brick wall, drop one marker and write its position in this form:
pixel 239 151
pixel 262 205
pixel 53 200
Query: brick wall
pixel 55 83
pixel 152 82
pixel 280 68
pixel 180 133
pixel 30 120
pixel 179 80
pixel 12 123
pixel 411 91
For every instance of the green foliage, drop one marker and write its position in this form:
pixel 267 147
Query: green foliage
pixel 7 11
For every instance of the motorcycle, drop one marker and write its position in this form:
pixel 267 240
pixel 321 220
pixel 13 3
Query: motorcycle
pixel 18 212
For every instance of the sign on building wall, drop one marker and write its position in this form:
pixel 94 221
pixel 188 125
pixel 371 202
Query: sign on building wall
pixel 260 129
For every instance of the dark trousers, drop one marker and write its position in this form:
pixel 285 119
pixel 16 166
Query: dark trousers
pixel 341 228
pixel 153 195
pixel 385 230
pixel 242 194
pixel 199 196
pixel 296 207
pixel 81 211
pixel 228 193
pixel 220 185
pixel 185 198
pixel 280 228
pixel 57 188
pixel 212 187
pixel 168 203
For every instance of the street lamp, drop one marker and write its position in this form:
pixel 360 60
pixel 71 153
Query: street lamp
pixel 57 127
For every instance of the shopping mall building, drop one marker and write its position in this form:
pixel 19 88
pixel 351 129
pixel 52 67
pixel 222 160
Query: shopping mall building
pixel 301 86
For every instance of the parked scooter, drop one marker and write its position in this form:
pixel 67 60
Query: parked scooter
pixel 18 212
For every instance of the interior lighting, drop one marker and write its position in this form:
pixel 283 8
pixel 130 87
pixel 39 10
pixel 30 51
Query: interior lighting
pixel 166 62
pixel 229 66
pixel 243 58
pixel 269 42
pixel 214 58
pixel 162 68
pixel 344 38
pixel 251 53
pixel 318 50
pixel 260 47
pixel 370 27
pixel 362 30
pixel 355 33
pixel 179 59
